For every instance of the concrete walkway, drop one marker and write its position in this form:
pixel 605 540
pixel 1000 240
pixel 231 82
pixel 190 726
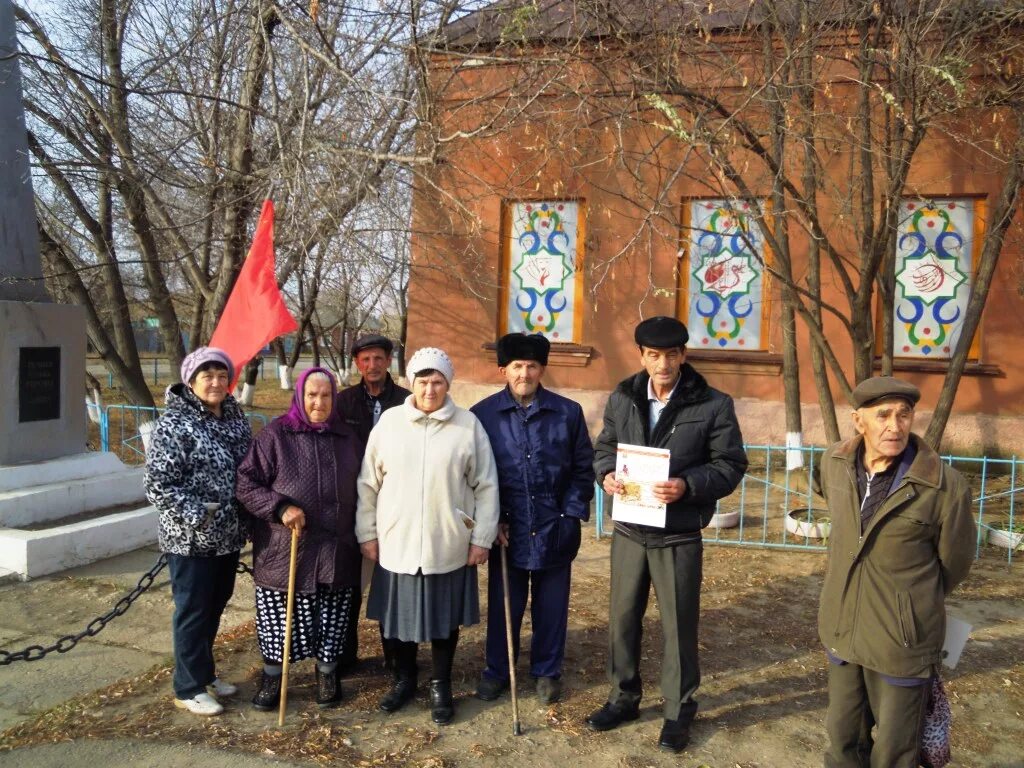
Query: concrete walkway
pixel 41 611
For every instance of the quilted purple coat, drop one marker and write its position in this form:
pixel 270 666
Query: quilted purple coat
pixel 291 463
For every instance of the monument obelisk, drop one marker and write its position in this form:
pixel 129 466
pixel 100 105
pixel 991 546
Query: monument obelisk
pixel 60 505
pixel 42 344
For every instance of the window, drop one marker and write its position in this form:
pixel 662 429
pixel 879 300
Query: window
pixel 721 281
pixel 542 287
pixel 934 269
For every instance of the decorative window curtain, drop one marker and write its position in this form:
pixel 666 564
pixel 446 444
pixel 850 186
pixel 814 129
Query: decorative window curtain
pixel 725 270
pixel 544 287
pixel 934 268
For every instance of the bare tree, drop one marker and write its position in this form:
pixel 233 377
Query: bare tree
pixel 158 127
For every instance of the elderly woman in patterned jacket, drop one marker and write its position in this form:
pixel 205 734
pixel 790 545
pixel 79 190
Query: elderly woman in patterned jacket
pixel 300 475
pixel 190 478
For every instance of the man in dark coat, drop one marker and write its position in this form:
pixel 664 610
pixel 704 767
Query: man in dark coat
pixel 546 481
pixel 667 405
pixel 360 406
pixel 902 538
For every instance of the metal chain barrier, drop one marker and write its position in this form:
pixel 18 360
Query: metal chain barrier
pixel 94 627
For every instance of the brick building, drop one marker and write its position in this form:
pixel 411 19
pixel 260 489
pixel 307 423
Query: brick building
pixel 569 201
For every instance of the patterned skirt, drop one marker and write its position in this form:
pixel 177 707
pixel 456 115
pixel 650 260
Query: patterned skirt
pixel 417 608
pixel 319 623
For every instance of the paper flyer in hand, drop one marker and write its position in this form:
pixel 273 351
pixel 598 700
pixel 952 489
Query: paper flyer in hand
pixel 957 632
pixel 639 468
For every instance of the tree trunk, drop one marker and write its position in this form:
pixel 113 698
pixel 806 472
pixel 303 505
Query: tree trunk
pixel 995 234
pixel 130 379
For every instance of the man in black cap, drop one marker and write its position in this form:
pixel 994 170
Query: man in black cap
pixel 666 405
pixel 361 406
pixel 545 472
pixel 902 536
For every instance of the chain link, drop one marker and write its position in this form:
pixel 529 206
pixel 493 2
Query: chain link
pixel 94 627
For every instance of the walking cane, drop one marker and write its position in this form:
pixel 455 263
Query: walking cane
pixel 516 730
pixel 288 626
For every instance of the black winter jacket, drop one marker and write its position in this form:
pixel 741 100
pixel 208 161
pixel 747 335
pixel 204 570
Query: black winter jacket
pixel 700 429
pixel 354 406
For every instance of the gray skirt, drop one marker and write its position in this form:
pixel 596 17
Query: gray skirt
pixel 417 608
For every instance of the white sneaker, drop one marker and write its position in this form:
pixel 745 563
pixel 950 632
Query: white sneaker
pixel 201 704
pixel 222 687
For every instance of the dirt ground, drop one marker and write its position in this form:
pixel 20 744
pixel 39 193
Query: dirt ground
pixel 762 698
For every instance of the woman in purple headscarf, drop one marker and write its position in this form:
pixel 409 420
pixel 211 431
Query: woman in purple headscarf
pixel 300 474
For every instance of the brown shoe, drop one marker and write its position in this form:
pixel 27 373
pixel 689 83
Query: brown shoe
pixel 549 689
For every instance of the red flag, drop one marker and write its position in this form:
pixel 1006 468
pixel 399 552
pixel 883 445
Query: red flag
pixel 255 312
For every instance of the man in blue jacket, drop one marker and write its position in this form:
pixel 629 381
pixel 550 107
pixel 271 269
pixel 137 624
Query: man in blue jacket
pixel 546 479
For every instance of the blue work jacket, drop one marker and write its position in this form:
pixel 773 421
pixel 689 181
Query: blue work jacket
pixel 545 474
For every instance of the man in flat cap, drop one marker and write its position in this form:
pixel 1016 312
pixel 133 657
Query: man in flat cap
pixel 902 536
pixel 360 406
pixel 666 405
pixel 546 481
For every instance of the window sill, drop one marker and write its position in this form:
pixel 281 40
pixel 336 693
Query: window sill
pixel 752 363
pixel 911 365
pixel 561 354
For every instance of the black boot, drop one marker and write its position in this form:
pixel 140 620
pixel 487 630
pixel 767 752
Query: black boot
pixel 328 689
pixel 269 694
pixel 442 708
pixel 403 689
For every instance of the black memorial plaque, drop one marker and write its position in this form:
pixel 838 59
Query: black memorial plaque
pixel 39 384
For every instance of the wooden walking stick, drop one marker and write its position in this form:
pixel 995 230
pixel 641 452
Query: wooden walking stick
pixel 288 626
pixel 516 729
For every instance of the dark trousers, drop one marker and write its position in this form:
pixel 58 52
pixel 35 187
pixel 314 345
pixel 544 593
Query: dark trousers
pixel 442 656
pixel 548 591
pixel 860 699
pixel 676 573
pixel 201 587
pixel 350 655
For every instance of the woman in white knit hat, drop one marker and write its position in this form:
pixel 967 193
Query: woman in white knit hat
pixel 427 515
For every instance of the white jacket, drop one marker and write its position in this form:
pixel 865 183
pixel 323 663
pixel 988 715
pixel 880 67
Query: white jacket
pixel 426 478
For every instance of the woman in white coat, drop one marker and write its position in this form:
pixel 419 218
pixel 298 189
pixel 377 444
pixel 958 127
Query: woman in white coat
pixel 427 515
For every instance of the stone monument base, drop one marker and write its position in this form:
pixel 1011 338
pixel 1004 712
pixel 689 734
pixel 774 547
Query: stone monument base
pixel 42 381
pixel 70 511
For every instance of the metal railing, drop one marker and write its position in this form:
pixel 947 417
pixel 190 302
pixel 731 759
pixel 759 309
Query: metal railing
pixel 123 429
pixel 775 507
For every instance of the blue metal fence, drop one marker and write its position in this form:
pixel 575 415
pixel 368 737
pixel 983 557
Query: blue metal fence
pixel 774 506
pixel 123 434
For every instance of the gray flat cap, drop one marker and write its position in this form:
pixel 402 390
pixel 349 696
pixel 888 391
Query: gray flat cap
pixel 877 388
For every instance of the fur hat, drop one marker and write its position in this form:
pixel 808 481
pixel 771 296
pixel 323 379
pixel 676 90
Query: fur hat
pixel 520 346
pixel 431 358
pixel 202 355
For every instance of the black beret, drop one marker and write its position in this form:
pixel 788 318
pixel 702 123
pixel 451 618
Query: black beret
pixel 372 340
pixel 519 346
pixel 879 388
pixel 661 332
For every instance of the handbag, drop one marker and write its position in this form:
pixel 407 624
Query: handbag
pixel 938 720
